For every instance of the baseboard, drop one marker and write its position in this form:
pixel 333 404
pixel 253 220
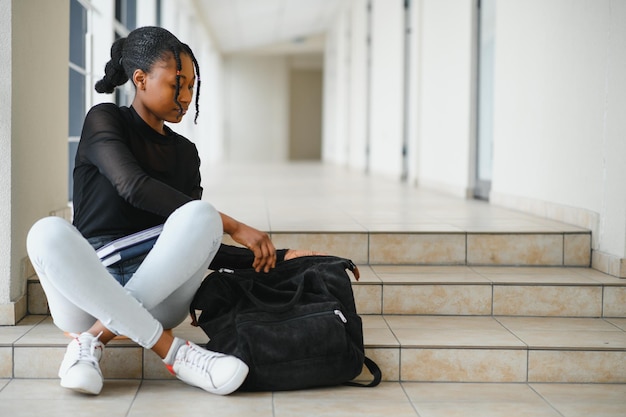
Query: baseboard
pixel 609 264
pixel 603 262
pixel 13 312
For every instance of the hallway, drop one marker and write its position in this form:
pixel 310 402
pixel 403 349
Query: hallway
pixel 457 331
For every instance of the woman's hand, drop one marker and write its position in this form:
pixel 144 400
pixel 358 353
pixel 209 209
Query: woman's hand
pixel 296 253
pixel 258 242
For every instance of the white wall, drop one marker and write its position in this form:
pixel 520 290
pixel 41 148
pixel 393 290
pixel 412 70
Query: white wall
pixel 336 101
pixel 559 105
pixel 35 180
pixel 386 122
pixel 256 90
pixel 446 94
pixel 358 85
pixel 560 100
pixel 5 159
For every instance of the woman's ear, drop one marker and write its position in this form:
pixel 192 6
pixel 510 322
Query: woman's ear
pixel 139 79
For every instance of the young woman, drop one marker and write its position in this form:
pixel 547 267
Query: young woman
pixel 133 172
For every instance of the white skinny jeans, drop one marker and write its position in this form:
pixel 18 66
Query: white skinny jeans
pixel 80 290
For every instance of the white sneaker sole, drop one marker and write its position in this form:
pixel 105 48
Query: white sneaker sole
pixel 234 383
pixel 83 385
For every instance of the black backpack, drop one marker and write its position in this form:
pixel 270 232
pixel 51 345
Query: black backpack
pixel 295 327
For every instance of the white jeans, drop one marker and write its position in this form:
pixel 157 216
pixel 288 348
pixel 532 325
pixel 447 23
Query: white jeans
pixel 80 290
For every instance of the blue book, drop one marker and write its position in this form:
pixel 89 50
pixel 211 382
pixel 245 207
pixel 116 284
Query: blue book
pixel 130 246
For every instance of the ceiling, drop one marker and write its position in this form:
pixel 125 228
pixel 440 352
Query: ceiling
pixel 269 26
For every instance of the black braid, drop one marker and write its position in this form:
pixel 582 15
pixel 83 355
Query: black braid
pixel 197 67
pixel 141 50
pixel 179 67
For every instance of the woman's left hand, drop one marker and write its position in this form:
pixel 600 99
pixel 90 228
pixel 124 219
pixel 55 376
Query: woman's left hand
pixel 260 244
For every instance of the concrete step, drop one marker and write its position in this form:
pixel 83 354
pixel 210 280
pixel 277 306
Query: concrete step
pixel 470 290
pixel 427 348
pixel 489 290
pixel 432 245
pixel 422 323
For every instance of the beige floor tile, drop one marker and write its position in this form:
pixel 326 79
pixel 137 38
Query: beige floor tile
pixel 621 323
pixel 387 359
pixel 542 271
pixel 599 276
pixel 367 276
pixel 435 270
pixel 11 334
pixel 467 399
pixel 556 324
pixel 576 400
pixel 37 301
pixel 577 366
pixel 437 299
pixel 566 333
pixel 349 245
pixel 463 365
pixel 374 321
pixel 379 338
pixel 485 410
pixel 416 276
pixel 614 302
pixel 577 249
pixel 457 338
pixel 37 362
pixel 368 298
pixel 174 398
pixel 153 367
pixel 45 397
pixel 403 248
pixel 386 391
pixel 45 333
pixel 541 279
pixel 387 399
pixel 596 340
pixel 122 362
pixel 443 323
pixel 420 392
pixel 514 249
pixel 386 226
pixel 543 300
pixel 6 362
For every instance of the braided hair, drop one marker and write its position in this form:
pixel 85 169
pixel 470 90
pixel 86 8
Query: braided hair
pixel 141 50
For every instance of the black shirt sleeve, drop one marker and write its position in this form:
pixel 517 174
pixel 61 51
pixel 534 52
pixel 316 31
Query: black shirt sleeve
pixel 235 257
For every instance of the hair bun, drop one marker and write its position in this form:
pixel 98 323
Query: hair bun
pixel 105 86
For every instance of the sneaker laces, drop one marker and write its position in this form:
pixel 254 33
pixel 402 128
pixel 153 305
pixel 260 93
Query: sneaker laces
pixel 200 360
pixel 86 351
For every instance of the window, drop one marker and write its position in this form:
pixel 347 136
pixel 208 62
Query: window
pixel 122 19
pixel 77 80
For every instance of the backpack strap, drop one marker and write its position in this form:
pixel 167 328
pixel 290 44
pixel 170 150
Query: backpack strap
pixel 373 368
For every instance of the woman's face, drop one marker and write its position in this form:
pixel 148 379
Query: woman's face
pixel 156 90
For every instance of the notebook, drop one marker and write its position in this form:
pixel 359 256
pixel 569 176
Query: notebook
pixel 129 246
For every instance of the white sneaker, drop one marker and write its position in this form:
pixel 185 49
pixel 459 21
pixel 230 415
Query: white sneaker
pixel 213 372
pixel 80 369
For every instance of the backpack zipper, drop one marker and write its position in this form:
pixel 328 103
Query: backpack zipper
pixel 336 312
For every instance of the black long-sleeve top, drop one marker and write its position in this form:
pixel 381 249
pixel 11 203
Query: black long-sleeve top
pixel 128 177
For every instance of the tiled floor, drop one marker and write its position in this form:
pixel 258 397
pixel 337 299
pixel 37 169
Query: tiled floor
pixel 135 398
pixel 310 197
pixel 297 202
